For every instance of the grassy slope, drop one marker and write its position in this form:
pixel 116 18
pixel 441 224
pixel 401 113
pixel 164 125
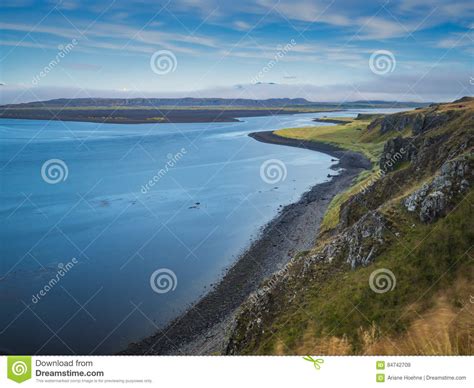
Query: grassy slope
pixel 339 314
pixel 343 135
pixel 352 136
pixel 428 312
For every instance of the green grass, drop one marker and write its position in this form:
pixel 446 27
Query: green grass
pixel 424 259
pixel 346 136
pixel 331 218
pixel 353 136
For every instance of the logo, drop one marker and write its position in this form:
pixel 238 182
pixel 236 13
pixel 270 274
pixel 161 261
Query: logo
pixel 163 62
pixel 19 368
pixel 382 280
pixel 382 62
pixel 273 171
pixel 54 171
pixel 163 280
pixel 316 361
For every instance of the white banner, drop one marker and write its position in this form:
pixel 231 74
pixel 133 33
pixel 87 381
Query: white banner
pixel 239 372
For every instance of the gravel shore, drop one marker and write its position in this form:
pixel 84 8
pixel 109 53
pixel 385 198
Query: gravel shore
pixel 204 327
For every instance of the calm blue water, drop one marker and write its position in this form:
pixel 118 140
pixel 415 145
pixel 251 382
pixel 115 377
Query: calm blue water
pixel 99 234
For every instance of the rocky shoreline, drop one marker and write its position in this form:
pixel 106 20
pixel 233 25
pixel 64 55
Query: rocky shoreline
pixel 205 327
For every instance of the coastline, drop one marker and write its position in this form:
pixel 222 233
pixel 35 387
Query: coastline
pixel 150 116
pixel 203 328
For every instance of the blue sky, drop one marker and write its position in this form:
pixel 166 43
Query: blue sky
pixel 318 49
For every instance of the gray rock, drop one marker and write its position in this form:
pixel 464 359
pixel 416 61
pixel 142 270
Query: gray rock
pixel 417 122
pixel 434 199
pixel 396 151
pixel 433 206
pixel 356 245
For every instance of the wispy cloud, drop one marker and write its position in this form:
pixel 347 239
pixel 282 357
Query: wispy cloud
pixel 227 43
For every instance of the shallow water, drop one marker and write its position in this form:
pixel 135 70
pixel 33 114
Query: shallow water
pixel 77 256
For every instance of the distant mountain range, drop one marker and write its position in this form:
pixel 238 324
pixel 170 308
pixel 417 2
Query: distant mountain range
pixel 208 102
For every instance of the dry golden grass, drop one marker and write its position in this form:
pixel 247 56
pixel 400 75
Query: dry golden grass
pixel 322 345
pixel 441 330
pixel 446 328
pixel 465 105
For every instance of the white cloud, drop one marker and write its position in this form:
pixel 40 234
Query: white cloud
pixel 115 37
pixel 241 25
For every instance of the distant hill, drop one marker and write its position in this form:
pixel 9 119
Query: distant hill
pixel 176 110
pixel 205 102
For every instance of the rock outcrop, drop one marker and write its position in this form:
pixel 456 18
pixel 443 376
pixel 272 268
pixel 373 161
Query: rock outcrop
pixel 398 122
pixel 357 245
pixel 395 152
pixel 418 122
pixel 436 198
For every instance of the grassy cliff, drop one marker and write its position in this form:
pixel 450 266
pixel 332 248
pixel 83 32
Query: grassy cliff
pixel 392 269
